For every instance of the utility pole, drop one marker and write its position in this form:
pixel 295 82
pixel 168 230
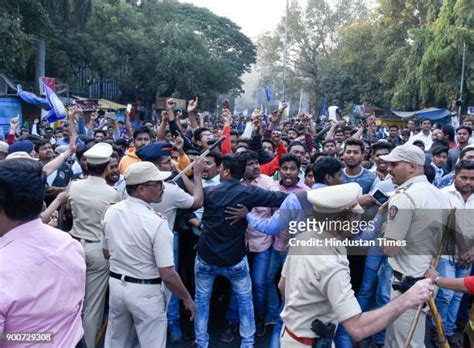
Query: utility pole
pixel 462 79
pixel 285 52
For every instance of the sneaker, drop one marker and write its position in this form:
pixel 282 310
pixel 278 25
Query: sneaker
pixel 260 329
pixel 174 331
pixel 229 331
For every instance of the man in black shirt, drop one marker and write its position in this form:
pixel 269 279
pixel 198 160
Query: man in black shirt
pixel 221 248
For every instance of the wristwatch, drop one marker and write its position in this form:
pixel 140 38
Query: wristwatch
pixel 436 280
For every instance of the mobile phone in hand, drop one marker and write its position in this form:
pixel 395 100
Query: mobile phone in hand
pixel 380 196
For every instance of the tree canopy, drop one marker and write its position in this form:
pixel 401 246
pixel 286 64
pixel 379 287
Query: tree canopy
pixel 153 49
pixel 401 55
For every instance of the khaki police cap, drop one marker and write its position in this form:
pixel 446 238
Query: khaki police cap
pixel 142 172
pixel 99 153
pixel 405 153
pixel 337 198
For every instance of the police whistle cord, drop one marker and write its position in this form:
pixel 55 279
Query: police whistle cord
pixel 450 227
pixel 204 154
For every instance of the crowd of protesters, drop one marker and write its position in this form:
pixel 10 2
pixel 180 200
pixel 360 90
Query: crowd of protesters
pixel 221 218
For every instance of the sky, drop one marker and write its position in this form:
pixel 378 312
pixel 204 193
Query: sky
pixel 253 16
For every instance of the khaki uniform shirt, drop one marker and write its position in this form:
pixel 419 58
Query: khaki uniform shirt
pixel 417 214
pixel 138 239
pixel 89 199
pixel 317 285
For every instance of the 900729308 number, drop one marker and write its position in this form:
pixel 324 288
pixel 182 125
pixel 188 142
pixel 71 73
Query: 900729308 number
pixel 27 337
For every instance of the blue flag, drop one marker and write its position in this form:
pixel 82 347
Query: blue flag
pixel 32 98
pixel 58 110
pixel 268 93
pixel 324 111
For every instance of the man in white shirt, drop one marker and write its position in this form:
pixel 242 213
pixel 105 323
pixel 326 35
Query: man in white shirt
pixel 455 265
pixel 424 135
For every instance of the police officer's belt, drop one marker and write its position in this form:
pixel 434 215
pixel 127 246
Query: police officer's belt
pixel 135 280
pixel 307 341
pixel 403 282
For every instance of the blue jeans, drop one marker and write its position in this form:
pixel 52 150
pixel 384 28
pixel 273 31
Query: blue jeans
pixel 277 259
pixel 239 277
pixel 448 301
pixel 376 285
pixel 173 306
pixel 276 333
pixel 259 262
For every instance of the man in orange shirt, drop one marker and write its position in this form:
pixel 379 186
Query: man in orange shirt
pixel 141 137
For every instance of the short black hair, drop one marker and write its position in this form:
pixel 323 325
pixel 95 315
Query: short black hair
pixel 22 188
pixel 332 141
pixel 468 129
pixel 246 156
pixel 289 157
pixel 464 151
pixel 235 167
pixel 142 130
pixel 97 169
pixel 464 164
pixel 325 165
pixel 198 133
pixel 393 126
pixel 429 172
pixel 270 141
pixel 41 143
pixel 449 131
pixel 425 119
pixel 104 133
pixel 217 157
pixel 379 145
pixel 297 143
pixel 354 142
pixel 438 149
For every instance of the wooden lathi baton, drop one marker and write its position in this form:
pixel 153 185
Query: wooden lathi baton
pixel 436 318
pixel 204 154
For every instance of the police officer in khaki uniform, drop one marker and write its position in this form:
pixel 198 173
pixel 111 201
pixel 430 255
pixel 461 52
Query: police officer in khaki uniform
pixel 417 214
pixel 315 279
pixel 139 244
pixel 89 199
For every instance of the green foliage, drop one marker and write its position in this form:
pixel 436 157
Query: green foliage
pixel 404 55
pixel 157 48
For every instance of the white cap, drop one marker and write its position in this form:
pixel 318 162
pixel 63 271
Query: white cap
pixel 337 198
pixel 20 154
pixel 405 153
pixel 99 153
pixel 142 172
pixel 3 146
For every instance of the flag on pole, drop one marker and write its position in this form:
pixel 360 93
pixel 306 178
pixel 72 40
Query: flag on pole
pixel 268 93
pixel 324 111
pixel 58 110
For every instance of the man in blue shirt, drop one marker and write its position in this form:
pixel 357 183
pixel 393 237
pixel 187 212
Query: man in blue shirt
pixel 221 247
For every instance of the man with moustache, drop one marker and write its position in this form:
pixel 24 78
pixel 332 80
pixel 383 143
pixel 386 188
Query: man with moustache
pixel 259 247
pixel 416 217
pixel 114 178
pixel 141 137
pixel 380 168
pixel 138 299
pixel 354 172
pixel 457 264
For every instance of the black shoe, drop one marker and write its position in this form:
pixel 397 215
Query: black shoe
pixel 229 331
pixel 260 329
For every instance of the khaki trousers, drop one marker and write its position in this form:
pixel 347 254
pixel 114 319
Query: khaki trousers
pixel 97 274
pixel 136 310
pixel 398 331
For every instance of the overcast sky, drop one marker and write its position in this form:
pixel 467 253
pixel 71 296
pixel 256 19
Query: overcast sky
pixel 253 16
